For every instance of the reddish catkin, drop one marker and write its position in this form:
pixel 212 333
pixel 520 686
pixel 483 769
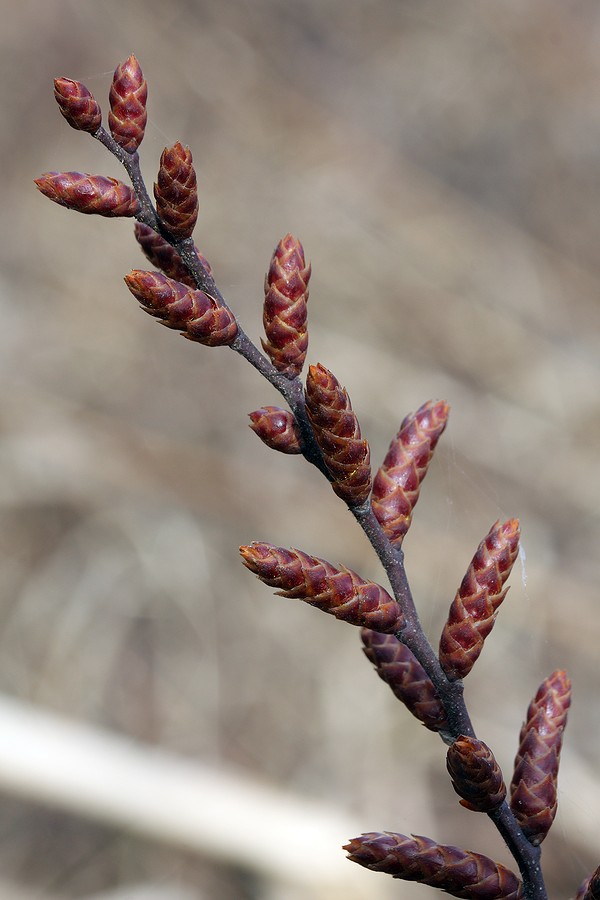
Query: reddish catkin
pixel 277 428
pixel 128 95
pixel 473 610
pixel 90 194
pixel 396 665
pixel 284 310
pixel 534 783
pixel 397 484
pixel 176 191
pixel 475 774
pixel 162 255
pixel 461 873
pixel 589 889
pixel 338 436
pixel 340 592
pixel 198 316
pixel 77 105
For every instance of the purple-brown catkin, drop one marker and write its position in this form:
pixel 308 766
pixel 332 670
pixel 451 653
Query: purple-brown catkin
pixel 77 105
pixel 475 774
pixel 589 889
pixel 176 191
pixel 473 610
pixel 397 484
pixel 162 255
pixel 340 592
pixel 338 436
pixel 284 310
pixel 534 784
pixel 90 194
pixel 199 317
pixel 461 873
pixel 128 96
pixel 277 428
pixel 397 666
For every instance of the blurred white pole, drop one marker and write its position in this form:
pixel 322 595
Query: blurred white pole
pixel 219 813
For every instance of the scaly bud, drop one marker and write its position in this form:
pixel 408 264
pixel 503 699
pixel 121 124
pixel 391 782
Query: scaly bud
pixel 397 483
pixel 473 610
pixel 128 95
pixel 284 311
pixel 461 873
pixel 89 193
pixel 475 774
pixel 176 192
pixel 337 433
pixel 192 312
pixel 589 889
pixel 533 787
pixel 340 592
pixel 77 105
pixel 397 666
pixel 160 253
pixel 277 428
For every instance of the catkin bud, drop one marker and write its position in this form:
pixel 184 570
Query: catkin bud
pixel 176 192
pixel 338 436
pixel 284 311
pixel 198 316
pixel 473 610
pixel 77 105
pixel 461 873
pixel 397 483
pixel 340 592
pixel 162 255
pixel 128 95
pixel 475 774
pixel 277 428
pixel 397 666
pixel 89 193
pixel 534 783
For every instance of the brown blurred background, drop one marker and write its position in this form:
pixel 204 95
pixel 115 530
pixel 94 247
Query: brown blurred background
pixel 441 164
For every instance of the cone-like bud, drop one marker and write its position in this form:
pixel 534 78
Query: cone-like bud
pixel 589 889
pixel 461 873
pixel 475 774
pixel 473 610
pixel 77 105
pixel 160 253
pixel 89 193
pixel 176 192
pixel 128 95
pixel 533 787
pixel 192 312
pixel 277 428
pixel 340 592
pixel 284 311
pixel 337 433
pixel 397 666
pixel 397 483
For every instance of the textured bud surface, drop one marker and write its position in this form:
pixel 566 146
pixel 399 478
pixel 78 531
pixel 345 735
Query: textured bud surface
pixel 128 95
pixel 284 311
pixel 277 428
pixel 90 194
pixel 397 484
pixel 198 316
pixel 534 783
pixel 475 774
pixel 461 873
pixel 77 105
pixel 473 610
pixel 397 666
pixel 337 433
pixel 340 592
pixel 176 192
pixel 589 889
pixel 160 253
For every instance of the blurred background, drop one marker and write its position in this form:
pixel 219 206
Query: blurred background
pixel 169 726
